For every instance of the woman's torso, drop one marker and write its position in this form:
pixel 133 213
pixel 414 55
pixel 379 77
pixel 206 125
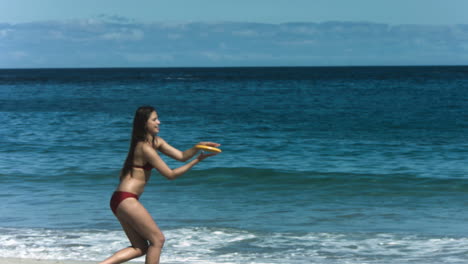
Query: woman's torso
pixel 135 180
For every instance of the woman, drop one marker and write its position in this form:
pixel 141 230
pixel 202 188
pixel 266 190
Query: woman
pixel 137 223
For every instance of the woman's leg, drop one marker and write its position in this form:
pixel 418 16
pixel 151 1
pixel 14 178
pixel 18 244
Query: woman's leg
pixel 138 248
pixel 140 228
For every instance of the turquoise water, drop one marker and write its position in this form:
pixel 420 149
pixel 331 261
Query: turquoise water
pixel 319 165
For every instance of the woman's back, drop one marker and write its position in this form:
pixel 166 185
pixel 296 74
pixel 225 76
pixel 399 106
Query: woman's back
pixel 134 181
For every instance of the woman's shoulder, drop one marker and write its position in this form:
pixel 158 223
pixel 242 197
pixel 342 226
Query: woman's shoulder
pixel 145 145
pixel 159 141
pixel 142 146
pixel 143 150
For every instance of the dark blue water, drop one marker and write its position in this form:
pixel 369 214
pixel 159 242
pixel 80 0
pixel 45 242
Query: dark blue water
pixel 319 165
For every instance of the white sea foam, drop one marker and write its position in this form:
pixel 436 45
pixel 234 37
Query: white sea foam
pixel 218 245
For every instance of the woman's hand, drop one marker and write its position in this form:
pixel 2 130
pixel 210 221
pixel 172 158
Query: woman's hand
pixel 204 155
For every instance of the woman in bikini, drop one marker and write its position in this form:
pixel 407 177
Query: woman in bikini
pixel 142 231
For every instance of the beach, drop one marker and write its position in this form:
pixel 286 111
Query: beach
pixel 319 164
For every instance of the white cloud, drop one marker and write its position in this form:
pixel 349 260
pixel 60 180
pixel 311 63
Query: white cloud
pixel 5 32
pixel 305 42
pixel 230 57
pixel 123 42
pixel 124 34
pixel 213 56
pixel 147 57
pixel 55 34
pixel 245 33
pixel 115 19
pixel 174 36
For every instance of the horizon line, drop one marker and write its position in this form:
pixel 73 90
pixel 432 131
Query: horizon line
pixel 236 67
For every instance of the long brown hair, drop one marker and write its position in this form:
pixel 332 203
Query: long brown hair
pixel 139 131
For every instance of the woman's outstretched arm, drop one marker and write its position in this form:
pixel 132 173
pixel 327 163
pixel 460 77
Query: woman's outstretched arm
pixel 155 160
pixel 183 156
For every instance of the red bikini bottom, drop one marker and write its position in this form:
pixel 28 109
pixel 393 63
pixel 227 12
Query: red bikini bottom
pixel 118 197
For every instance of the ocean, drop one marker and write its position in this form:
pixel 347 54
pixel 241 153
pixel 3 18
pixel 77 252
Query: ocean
pixel 319 164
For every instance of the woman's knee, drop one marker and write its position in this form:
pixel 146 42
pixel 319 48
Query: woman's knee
pixel 158 240
pixel 141 251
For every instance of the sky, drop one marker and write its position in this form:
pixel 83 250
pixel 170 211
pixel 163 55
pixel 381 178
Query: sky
pixel 264 11
pixel 191 33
